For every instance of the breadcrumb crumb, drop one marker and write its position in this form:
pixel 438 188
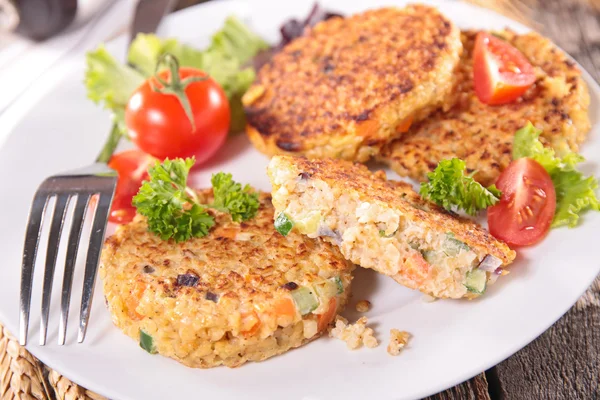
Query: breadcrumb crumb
pixel 398 339
pixel 355 335
pixel 428 299
pixel 363 306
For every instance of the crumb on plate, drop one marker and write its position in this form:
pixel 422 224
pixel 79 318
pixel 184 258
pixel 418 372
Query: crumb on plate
pixel 428 299
pixel 363 306
pixel 355 335
pixel 398 339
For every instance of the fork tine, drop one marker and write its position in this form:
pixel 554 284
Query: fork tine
pixel 32 237
pixel 72 248
pixel 58 219
pixel 92 261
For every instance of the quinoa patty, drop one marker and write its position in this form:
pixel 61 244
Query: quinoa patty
pixel 242 293
pixel 352 84
pixel 482 135
pixel 386 226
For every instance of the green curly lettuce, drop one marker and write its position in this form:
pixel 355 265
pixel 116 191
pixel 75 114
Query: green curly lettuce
pixel 450 188
pixel 110 83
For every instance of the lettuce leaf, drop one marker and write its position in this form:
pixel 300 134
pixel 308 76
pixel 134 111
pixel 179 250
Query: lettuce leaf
pixel 575 193
pixel 146 49
pixel 449 187
pixel 110 83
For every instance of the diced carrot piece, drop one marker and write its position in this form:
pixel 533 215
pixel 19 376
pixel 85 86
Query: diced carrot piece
pixel 250 324
pixel 369 127
pixel 226 232
pixel 327 316
pixel 133 300
pixel 416 268
pixel 285 307
pixel 404 126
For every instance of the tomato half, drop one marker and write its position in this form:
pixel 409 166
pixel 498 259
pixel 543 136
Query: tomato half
pixel 132 167
pixel 526 208
pixel 158 124
pixel 501 73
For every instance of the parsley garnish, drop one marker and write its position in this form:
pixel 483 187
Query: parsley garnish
pixel 449 187
pixel 174 211
pixel 230 197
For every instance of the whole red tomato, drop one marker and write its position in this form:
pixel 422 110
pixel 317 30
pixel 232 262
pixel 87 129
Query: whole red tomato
pixel 157 120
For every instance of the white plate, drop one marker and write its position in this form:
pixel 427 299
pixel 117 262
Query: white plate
pixel 452 340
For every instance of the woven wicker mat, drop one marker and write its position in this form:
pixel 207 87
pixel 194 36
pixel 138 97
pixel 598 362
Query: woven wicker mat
pixel 24 377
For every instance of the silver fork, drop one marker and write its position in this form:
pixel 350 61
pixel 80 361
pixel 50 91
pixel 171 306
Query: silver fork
pixel 79 186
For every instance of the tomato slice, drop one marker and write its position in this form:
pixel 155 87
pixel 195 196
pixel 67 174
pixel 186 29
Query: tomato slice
pixel 526 208
pixel 501 73
pixel 132 167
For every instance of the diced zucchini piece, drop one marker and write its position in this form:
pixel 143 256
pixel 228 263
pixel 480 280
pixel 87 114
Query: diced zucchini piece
pixel 283 224
pixel 453 246
pixel 147 343
pixel 309 224
pixel 476 281
pixel 339 284
pixel 429 255
pixel 326 289
pixel 305 300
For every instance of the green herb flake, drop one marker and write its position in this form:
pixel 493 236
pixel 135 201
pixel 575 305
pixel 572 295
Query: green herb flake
pixel 339 284
pixel 147 343
pixel 283 224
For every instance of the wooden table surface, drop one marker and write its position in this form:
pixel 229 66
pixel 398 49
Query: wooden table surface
pixel 564 362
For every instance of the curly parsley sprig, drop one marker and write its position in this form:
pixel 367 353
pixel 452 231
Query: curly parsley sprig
pixel 449 187
pixel 173 210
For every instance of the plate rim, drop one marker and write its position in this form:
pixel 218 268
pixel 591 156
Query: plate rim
pixel 594 89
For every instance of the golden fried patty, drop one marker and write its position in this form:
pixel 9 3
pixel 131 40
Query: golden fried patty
pixel 386 226
pixel 242 293
pixel 482 135
pixel 351 84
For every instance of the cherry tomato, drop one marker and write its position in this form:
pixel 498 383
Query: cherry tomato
pixel 132 167
pixel 524 213
pixel 159 125
pixel 501 73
